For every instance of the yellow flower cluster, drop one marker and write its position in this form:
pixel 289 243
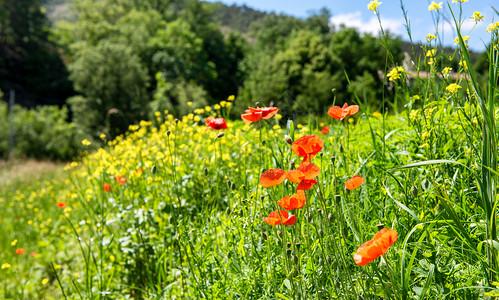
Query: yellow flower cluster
pixel 453 88
pixel 459 1
pixel 373 5
pixel 493 27
pixel 477 16
pixel 430 37
pixel 465 39
pixel 434 6
pixel 395 73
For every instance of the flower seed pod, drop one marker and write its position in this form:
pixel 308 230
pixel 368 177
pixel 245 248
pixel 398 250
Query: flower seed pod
pixel 153 169
pixel 414 191
pixel 425 184
pixel 206 171
pixel 288 139
pixel 220 134
pixel 168 132
pixel 264 236
pixel 297 245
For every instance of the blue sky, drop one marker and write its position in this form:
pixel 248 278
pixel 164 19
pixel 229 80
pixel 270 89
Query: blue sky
pixel 354 13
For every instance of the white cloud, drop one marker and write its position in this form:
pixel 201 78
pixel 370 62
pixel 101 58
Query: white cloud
pixel 354 20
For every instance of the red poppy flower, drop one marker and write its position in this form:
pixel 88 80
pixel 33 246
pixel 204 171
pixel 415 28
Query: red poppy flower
pixel 376 247
pixel 272 177
pixel 295 201
pixel 106 187
pixel 325 130
pixel 354 182
pixel 121 180
pixel 61 204
pixel 342 112
pixel 306 184
pixel 20 251
pixel 139 171
pixel 256 114
pixel 307 146
pixel 276 217
pixel 32 254
pixel 216 123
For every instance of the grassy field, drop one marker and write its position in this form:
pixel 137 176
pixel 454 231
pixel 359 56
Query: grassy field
pixel 186 208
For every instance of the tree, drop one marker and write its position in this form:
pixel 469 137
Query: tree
pixel 29 61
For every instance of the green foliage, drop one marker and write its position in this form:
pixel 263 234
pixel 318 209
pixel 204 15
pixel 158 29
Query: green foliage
pixel 29 61
pixel 114 82
pixel 41 133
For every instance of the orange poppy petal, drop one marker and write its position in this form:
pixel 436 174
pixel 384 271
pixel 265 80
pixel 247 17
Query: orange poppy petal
pixel 251 117
pixel 352 109
pixel 354 182
pixel 290 221
pixel 285 203
pixel 295 176
pixel 376 247
pixel 269 112
pixel 272 177
pixel 335 112
pixel 298 200
pixel 306 184
pixel 309 170
pixel 307 145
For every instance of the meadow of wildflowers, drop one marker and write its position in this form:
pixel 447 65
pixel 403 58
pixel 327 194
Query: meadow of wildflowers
pixel 353 204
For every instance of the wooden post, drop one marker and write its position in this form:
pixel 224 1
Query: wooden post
pixel 12 100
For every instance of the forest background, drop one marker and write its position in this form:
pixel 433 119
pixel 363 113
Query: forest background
pixel 85 69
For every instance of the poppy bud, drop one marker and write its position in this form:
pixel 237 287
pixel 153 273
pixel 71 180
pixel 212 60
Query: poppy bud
pixel 414 191
pixel 168 132
pixel 279 233
pixel 233 186
pixel 229 184
pixel 310 218
pixel 320 211
pixel 288 252
pixel 341 148
pixel 153 169
pixel 220 134
pixel 288 244
pixel 321 154
pixel 257 104
pixel 333 90
pixel 263 142
pixel 243 187
pixel 176 121
pixel 297 245
pixel 173 221
pixel 330 217
pixel 227 211
pixel 337 198
pixel 425 184
pixel 380 226
pixel 264 236
pixel 333 159
pixel 206 171
pixel 288 139
pixel 262 197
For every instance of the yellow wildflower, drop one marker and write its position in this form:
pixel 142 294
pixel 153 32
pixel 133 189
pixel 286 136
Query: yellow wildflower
pixel 493 27
pixel 13 243
pixel 189 103
pixel 446 70
pixel 477 16
pixel 463 64
pixel 395 73
pixel 5 266
pixel 231 98
pixel 453 88
pixel 431 53
pixel 373 5
pixel 430 37
pixel 45 281
pixel 207 108
pixel 86 142
pixel 216 106
pixel 457 1
pixel 435 6
pixel 465 39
